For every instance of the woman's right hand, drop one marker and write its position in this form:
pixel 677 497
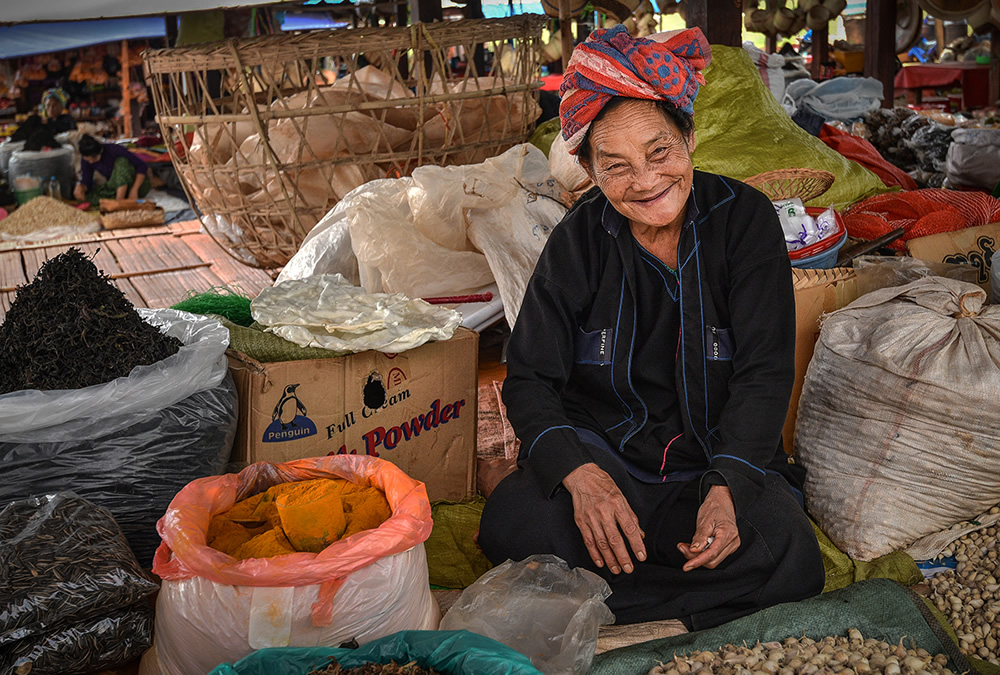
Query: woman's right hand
pixel 603 514
pixel 80 192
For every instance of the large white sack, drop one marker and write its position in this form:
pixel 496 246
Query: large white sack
pixel 898 421
pixel 200 624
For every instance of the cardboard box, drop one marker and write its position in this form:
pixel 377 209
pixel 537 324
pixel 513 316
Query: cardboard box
pixel 416 409
pixel 973 246
pixel 817 292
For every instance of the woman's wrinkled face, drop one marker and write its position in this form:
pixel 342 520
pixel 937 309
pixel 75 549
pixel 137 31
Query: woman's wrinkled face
pixel 642 163
pixel 53 108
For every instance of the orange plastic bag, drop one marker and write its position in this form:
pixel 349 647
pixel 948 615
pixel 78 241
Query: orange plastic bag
pixel 184 553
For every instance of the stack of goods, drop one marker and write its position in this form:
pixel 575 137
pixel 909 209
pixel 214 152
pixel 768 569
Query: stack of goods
pixel 43 218
pixel 120 213
pixel 74 596
pixel 305 516
pixel 915 142
pixel 120 407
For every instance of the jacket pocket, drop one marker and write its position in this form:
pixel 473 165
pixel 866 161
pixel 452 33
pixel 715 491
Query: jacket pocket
pixel 594 347
pixel 718 344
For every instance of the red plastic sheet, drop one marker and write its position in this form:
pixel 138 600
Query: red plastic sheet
pixel 865 154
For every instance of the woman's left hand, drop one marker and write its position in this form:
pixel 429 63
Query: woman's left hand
pixel 716 536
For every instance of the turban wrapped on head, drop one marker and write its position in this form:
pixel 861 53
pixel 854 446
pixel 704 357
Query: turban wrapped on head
pixel 56 93
pixel 662 67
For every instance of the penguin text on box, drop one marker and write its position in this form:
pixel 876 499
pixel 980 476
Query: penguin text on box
pixel 416 409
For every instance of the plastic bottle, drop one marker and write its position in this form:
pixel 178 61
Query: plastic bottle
pixel 52 189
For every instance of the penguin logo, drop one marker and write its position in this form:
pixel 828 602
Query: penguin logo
pixel 374 392
pixel 288 420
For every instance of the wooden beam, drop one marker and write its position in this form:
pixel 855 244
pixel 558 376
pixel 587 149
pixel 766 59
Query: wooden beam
pixel 720 20
pixel 426 11
pixel 126 91
pixel 880 46
pixel 566 31
pixel 474 10
pixel 820 51
pixel 994 64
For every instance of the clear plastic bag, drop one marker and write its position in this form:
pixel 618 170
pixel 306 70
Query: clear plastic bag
pixel 99 410
pixel 62 557
pixel 213 608
pixel 86 646
pixel 541 608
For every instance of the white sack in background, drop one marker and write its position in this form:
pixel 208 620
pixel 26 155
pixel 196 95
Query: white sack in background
pixel 973 158
pixel 897 424
pixel 329 312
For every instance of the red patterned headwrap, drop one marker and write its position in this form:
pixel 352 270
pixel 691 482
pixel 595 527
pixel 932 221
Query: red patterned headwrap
pixel 662 67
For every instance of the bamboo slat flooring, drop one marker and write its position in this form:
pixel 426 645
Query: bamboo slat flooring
pixel 153 266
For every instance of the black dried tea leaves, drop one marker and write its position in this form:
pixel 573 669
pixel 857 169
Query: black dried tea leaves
pixel 72 328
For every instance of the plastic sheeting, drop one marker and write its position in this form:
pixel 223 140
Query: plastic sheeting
pixel 326 311
pixel 130 444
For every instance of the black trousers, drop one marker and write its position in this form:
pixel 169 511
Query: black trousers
pixel 778 559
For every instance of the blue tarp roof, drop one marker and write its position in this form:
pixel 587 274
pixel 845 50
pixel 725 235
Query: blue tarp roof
pixel 42 38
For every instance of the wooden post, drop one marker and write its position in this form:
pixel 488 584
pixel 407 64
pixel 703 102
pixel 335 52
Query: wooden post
pixel 880 46
pixel 426 11
pixel 126 91
pixel 566 31
pixel 994 64
pixel 720 20
pixel 820 51
pixel 474 10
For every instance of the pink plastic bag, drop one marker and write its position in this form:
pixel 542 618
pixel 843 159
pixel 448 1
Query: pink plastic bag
pixel 184 553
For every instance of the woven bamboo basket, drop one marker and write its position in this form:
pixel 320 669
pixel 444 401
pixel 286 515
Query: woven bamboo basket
pixel 803 183
pixel 268 133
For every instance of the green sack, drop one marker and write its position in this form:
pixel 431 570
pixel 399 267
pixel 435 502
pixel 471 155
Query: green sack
pixel 545 134
pixel 742 131
pixel 842 570
pixel 879 608
pixel 453 558
pixel 448 652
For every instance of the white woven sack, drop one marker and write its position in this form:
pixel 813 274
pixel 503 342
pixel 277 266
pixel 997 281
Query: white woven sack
pixel 899 422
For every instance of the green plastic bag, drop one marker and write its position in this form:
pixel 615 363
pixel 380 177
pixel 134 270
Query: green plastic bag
pixel 742 131
pixel 448 652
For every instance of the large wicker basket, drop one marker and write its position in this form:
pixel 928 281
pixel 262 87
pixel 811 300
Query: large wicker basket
pixel 268 133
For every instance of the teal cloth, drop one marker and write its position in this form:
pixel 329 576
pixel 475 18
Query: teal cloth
pixel 457 651
pixel 879 608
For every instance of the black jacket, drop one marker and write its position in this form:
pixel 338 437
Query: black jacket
pixel 569 355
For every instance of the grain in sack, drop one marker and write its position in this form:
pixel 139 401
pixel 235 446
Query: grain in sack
pixel 897 423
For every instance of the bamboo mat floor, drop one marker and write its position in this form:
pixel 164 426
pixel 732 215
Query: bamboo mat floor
pixel 153 266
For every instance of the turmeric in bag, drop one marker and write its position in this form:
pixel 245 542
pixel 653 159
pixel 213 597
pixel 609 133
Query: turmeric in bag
pixel 301 516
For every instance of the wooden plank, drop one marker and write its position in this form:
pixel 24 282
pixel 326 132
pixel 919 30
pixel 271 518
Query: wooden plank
pixel 880 46
pixel 137 255
pixel 249 280
pixel 12 269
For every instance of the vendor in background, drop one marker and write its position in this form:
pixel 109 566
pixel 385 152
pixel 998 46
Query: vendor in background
pixel 56 121
pixel 651 365
pixel 109 171
pixel 54 103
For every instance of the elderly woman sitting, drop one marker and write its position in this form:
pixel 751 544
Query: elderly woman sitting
pixel 651 365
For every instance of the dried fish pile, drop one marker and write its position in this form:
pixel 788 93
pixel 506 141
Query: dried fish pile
pixel 851 655
pixel 970 594
pixel 391 668
pixel 42 213
pixel 915 143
